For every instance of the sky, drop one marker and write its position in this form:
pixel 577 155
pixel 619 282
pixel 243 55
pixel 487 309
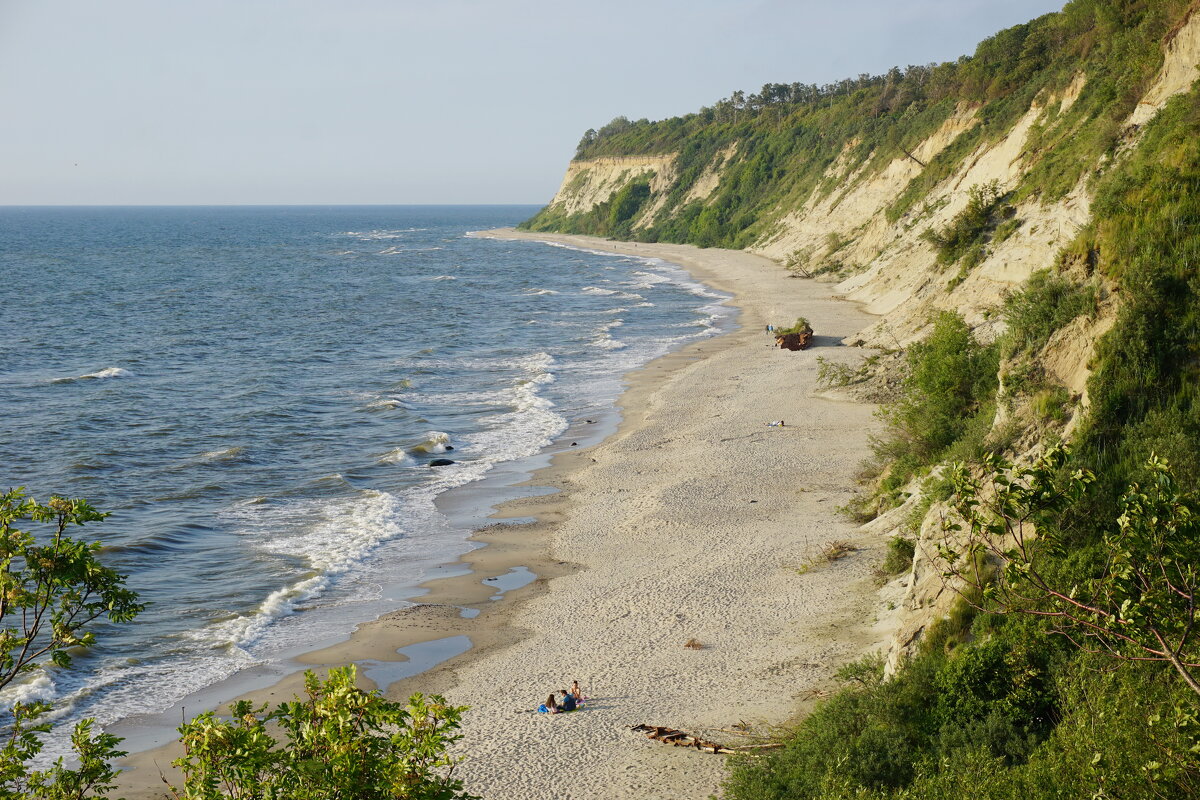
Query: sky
pixel 177 102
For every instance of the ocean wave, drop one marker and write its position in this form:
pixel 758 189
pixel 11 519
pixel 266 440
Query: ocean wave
pixel 330 535
pixel 603 337
pixel 443 278
pixel 100 374
pixel 376 235
pixel 377 403
pixel 395 251
pixel 38 686
pixel 434 442
pixel 396 457
pixel 535 362
pixel 536 292
pixel 228 454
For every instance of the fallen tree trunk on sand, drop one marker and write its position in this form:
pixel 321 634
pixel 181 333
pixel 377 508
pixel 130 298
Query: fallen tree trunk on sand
pixel 680 738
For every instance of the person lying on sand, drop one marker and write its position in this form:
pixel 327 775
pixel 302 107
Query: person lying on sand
pixel 550 706
pixel 776 424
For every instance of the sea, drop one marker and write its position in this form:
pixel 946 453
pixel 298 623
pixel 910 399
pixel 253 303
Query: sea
pixel 256 395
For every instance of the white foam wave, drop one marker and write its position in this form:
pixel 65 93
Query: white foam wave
pixel 330 535
pixel 100 374
pixel 533 291
pixel 384 403
pixel 443 278
pixel 378 234
pixel 393 251
pixel 396 456
pixel 647 280
pixel 228 454
pixel 38 686
pixel 434 442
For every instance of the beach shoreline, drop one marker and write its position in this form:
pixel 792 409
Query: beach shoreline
pixel 550 630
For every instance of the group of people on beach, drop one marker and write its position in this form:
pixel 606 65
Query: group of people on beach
pixel 570 701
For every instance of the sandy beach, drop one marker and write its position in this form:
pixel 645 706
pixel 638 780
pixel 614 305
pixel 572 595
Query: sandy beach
pixel 694 521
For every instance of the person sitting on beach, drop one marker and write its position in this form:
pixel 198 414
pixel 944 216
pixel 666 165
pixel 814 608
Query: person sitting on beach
pixel 568 700
pixel 550 706
pixel 576 692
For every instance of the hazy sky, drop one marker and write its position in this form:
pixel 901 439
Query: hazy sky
pixel 398 101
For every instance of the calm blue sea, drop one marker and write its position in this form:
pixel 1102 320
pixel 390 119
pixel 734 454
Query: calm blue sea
pixel 256 394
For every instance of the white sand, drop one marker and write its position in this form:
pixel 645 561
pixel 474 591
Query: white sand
pixel 690 522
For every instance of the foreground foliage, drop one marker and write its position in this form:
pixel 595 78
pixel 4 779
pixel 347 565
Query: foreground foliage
pixel 1140 606
pixel 341 744
pixel 52 588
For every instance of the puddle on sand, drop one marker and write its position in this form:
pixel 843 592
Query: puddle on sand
pixel 422 656
pixel 515 578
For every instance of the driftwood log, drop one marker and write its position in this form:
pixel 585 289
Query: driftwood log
pixel 680 738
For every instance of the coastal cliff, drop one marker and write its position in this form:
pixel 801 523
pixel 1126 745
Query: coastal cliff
pixel 1045 191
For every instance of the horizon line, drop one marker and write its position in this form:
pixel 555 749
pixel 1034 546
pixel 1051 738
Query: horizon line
pixel 262 205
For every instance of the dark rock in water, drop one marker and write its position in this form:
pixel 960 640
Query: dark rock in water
pixel 590 421
pixel 440 462
pixel 574 444
pixel 449 447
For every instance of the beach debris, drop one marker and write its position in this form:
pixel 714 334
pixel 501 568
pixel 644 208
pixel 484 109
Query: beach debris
pixel 441 462
pixel 678 738
pixel 797 337
pixel 837 549
pixel 693 644
pixel 795 341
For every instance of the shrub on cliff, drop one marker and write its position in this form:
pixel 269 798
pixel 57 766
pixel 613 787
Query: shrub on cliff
pixel 1043 304
pixel 951 382
pixel 966 236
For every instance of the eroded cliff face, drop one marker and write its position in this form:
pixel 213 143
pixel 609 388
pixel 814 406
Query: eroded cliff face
pixel 587 184
pixel 890 267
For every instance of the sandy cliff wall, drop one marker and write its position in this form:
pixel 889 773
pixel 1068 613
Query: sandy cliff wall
pixel 587 184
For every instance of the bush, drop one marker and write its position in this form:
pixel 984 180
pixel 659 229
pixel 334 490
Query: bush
pixel 968 233
pixel 899 556
pixel 801 325
pixel 948 391
pixel 1045 303
pixel 341 743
